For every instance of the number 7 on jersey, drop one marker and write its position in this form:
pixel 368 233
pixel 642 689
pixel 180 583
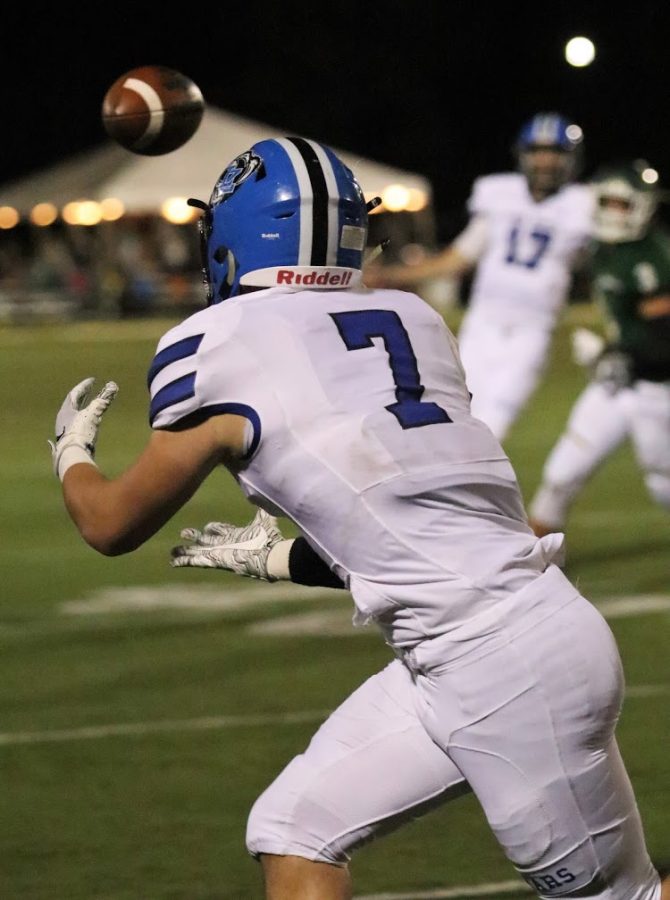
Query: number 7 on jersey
pixel 358 328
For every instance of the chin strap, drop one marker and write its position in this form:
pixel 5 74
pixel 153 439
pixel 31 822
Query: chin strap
pixel 372 253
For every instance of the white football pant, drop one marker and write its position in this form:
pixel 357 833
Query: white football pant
pixel 599 422
pixel 503 364
pixel 523 716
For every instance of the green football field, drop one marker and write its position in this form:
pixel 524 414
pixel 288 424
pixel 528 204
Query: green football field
pixel 143 708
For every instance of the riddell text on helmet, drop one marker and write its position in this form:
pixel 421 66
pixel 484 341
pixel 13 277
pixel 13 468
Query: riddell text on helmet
pixel 322 279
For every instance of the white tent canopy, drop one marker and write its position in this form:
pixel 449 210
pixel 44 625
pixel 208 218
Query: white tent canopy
pixel 143 183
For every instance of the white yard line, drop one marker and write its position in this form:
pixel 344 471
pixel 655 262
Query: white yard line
pixel 132 729
pixel 478 890
pixel 637 605
pixel 213 723
pixel 332 622
pixel 201 597
pixel 640 691
pixel 214 598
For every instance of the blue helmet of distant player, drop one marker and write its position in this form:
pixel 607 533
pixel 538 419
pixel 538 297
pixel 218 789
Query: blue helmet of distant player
pixel 549 152
pixel 285 212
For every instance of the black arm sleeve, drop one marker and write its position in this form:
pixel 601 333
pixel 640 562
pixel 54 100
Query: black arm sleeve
pixel 306 567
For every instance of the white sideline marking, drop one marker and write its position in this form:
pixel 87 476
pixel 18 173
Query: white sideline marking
pixel 637 605
pixel 640 691
pixel 128 729
pixel 332 622
pixel 337 622
pixel 478 890
pixel 211 723
pixel 217 599
pixel 205 597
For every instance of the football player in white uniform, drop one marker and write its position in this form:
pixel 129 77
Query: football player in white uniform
pixel 524 237
pixel 346 409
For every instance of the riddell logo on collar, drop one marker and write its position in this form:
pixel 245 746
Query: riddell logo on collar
pixel 322 279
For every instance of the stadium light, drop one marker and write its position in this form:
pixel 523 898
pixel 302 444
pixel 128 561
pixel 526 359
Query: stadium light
pixel 418 200
pixel 177 211
pixel 111 209
pixel 580 52
pixel 82 212
pixel 395 197
pixel 43 214
pixel 9 217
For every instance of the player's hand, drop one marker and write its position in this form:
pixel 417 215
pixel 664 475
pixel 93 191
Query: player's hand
pixel 586 346
pixel 243 550
pixel 614 371
pixel 77 425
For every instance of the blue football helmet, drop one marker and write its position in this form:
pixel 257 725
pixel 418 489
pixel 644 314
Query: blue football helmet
pixel 287 211
pixel 549 131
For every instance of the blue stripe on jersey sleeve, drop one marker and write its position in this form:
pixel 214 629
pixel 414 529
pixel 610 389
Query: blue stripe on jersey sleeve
pixel 191 420
pixel 240 409
pixel 180 350
pixel 174 392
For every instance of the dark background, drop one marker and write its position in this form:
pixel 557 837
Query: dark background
pixel 436 87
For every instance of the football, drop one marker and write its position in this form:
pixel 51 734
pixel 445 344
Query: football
pixel 152 110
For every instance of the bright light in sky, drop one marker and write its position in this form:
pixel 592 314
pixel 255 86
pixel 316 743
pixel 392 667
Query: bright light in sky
pixel 580 51
pixel 650 176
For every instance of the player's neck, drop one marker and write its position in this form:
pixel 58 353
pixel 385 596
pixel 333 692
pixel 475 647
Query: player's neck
pixel 538 194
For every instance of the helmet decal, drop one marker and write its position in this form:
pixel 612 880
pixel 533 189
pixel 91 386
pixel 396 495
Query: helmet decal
pixel 234 175
pixel 550 130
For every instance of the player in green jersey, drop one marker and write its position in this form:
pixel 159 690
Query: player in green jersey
pixel 629 395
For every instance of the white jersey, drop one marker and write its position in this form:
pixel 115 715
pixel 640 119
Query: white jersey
pixel 523 272
pixel 360 431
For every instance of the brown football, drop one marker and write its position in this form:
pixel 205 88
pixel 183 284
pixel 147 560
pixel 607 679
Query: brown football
pixel 152 110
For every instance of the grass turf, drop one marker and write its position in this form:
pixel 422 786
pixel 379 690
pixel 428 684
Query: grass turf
pixel 162 814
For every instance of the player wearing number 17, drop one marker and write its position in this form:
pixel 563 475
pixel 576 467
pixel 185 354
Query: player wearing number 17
pixel 346 409
pixel 524 237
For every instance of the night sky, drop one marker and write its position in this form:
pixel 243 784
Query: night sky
pixel 437 87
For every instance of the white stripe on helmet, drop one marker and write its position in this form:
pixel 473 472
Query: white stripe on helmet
pixel 306 197
pixel 333 202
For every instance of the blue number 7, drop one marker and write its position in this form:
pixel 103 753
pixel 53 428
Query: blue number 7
pixel 357 329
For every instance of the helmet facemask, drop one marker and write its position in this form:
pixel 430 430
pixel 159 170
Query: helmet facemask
pixel 625 205
pixel 548 151
pixel 547 169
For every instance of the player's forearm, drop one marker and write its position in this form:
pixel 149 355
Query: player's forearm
pixel 656 307
pixel 96 507
pixel 115 516
pixel 450 263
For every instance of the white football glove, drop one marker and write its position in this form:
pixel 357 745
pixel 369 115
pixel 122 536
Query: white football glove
pixel 586 346
pixel 244 550
pixel 77 425
pixel 613 371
